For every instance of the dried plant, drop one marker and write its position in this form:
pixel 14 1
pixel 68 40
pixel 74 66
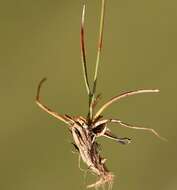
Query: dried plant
pixel 86 130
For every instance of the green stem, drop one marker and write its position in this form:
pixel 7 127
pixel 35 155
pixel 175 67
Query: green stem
pixel 100 41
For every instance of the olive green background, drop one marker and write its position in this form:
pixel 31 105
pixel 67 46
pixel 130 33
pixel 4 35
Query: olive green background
pixel 40 38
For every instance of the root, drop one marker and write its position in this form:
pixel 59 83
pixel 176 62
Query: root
pixel 105 179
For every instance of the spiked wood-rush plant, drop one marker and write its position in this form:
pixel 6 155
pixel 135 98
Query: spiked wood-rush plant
pixel 86 130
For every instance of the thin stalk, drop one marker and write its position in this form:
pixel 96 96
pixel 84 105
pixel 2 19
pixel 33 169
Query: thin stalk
pixel 116 98
pixel 60 117
pixel 100 42
pixel 137 128
pixel 83 53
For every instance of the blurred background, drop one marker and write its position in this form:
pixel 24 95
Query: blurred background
pixel 40 38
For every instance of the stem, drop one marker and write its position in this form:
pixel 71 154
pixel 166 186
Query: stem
pixel 83 53
pixel 100 41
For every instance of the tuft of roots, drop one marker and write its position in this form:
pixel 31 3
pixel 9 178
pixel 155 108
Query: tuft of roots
pixel 89 152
